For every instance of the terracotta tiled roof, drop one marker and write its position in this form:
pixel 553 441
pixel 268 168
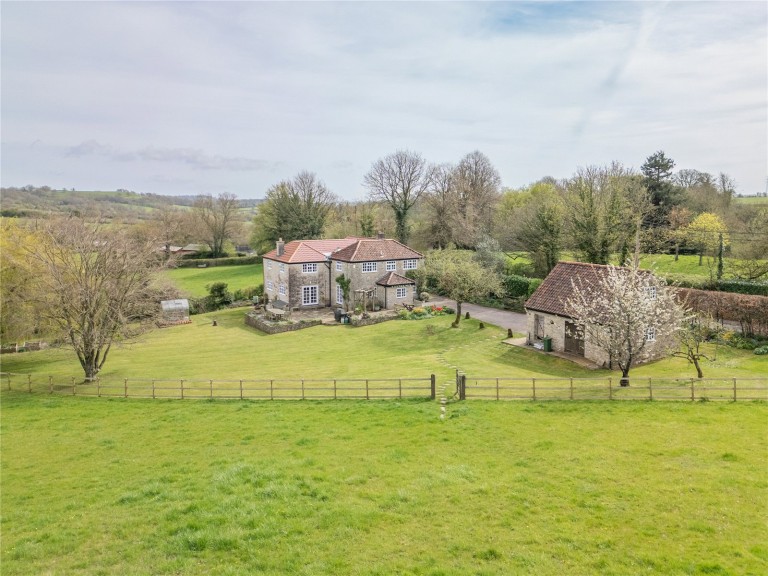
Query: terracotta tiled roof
pixel 375 249
pixel 301 251
pixel 551 296
pixel 392 279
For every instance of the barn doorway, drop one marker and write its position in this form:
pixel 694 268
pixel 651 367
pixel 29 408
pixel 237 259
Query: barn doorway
pixel 574 339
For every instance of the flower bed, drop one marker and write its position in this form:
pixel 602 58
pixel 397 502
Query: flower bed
pixel 421 312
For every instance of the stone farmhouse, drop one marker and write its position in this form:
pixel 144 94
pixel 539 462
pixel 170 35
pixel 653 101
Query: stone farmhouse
pixel 302 273
pixel 547 313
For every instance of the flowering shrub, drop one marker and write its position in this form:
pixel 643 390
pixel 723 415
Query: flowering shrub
pixel 424 312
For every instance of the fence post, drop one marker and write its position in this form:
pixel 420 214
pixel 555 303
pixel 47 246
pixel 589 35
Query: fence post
pixel 210 382
pixel 734 389
pixel 497 388
pixel 693 394
pixel 650 388
pixel 29 383
pixel 367 397
pixel 610 388
pixel 271 389
pixel 241 389
pixel 533 382
pixel 302 389
pixel 125 387
pixel 571 388
pixel 334 388
pixel 182 388
pixel 50 384
pixel 153 388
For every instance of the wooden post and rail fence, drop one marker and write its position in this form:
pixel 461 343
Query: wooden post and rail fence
pixel 466 388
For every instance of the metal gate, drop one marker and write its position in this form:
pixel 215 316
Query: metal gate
pixel 574 339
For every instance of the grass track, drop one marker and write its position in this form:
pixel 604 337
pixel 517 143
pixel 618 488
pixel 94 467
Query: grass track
pixel 141 487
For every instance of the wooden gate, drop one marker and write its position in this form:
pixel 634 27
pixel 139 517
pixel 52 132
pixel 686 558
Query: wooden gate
pixel 574 339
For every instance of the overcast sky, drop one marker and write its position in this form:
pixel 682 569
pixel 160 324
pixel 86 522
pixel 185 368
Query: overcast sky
pixel 189 98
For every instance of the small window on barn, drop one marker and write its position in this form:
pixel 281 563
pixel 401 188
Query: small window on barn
pixel 650 291
pixel 339 267
pixel 650 334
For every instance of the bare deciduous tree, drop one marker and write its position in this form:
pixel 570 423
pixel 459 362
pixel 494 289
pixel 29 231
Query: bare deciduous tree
pixel 217 217
pixel 96 285
pixel 628 313
pixel 399 180
pixel 476 183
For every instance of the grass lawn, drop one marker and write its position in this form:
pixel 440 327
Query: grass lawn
pixel 95 486
pixel 396 349
pixel 193 281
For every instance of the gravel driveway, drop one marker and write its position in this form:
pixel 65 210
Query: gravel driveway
pixel 514 320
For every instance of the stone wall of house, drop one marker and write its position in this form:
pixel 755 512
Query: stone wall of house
pixel 367 280
pixel 298 279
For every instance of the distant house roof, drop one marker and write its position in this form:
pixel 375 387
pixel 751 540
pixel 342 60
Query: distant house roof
pixel 372 249
pixel 558 287
pixel 392 279
pixel 299 251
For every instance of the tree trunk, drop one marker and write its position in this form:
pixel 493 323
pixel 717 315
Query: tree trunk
pixel 699 373
pixel 458 315
pixel 677 252
pixel 625 377
pixel 401 226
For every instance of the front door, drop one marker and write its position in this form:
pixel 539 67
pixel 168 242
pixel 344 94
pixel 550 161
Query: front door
pixel 574 339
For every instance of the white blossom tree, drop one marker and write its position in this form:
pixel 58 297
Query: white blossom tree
pixel 628 313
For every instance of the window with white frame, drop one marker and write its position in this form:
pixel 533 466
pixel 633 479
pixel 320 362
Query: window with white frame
pixel 339 295
pixel 391 265
pixel 339 267
pixel 370 266
pixel 401 292
pixel 270 286
pixel 308 295
pixel 650 334
pixel 281 289
pixel 650 291
pixel 309 268
pixel 409 264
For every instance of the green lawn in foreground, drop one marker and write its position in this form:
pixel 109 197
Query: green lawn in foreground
pixel 193 281
pixel 393 349
pixel 96 486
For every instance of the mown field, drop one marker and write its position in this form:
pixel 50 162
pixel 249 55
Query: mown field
pixel 95 486
pixel 193 282
pixel 397 349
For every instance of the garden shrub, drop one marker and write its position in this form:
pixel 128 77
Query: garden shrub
pixel 763 350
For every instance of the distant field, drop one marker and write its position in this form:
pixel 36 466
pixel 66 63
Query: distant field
pixel 752 200
pixel 95 487
pixel 193 281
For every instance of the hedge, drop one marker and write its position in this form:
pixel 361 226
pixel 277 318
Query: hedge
pixel 750 311
pixel 733 286
pixel 206 262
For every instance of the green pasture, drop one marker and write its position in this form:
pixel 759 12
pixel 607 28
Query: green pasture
pixel 193 281
pixel 97 486
pixel 395 349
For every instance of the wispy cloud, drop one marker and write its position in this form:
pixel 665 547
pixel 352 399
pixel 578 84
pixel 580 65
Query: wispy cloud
pixel 195 158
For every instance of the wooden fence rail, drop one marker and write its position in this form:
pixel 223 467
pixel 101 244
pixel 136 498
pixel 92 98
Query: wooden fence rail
pixel 254 389
pixel 690 389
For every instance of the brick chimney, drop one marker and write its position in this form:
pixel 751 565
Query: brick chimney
pixel 280 247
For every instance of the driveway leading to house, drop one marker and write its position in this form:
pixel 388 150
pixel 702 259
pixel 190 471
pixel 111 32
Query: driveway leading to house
pixel 503 318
